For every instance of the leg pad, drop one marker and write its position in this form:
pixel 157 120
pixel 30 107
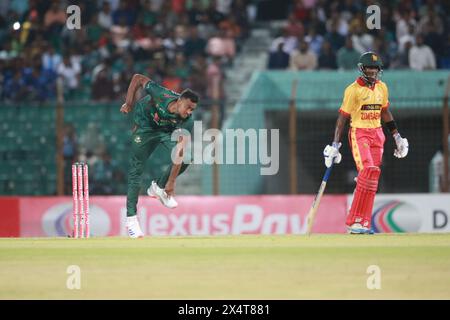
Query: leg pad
pixel 364 196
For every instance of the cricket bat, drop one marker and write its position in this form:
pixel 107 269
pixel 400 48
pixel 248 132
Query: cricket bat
pixel 315 205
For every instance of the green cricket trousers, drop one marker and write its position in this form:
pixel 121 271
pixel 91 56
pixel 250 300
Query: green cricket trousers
pixel 153 144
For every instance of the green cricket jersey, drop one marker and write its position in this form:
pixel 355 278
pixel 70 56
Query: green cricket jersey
pixel 151 112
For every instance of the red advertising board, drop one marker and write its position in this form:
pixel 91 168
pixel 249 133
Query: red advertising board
pixel 9 217
pixel 195 215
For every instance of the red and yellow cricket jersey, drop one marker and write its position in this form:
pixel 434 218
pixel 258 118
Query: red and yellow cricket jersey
pixel 364 104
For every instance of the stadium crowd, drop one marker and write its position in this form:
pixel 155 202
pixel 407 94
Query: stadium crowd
pixel 173 41
pixel 322 34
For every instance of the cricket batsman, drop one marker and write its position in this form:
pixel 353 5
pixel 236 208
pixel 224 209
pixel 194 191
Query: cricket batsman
pixel 156 116
pixel 366 103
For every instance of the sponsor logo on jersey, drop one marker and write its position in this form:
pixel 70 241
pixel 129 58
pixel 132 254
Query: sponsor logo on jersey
pixel 371 107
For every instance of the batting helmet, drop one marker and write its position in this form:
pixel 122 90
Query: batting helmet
pixel 371 60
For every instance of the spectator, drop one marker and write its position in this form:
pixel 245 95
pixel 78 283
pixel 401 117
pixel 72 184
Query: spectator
pixel 33 20
pixel 93 30
pixel 148 16
pixel 317 19
pixel 196 13
pixel 434 40
pixel 401 60
pixel 40 84
pixel 14 88
pixel 404 21
pixel 206 29
pixel 407 37
pixel 290 43
pixel 70 151
pixel 223 6
pixel 103 87
pixel 104 18
pixel 222 46
pixel 336 40
pixel 278 59
pixel 431 21
pixel 145 46
pixel 303 59
pixel 172 81
pixel 194 45
pixel 103 175
pixel 301 12
pixel 240 15
pixel 55 18
pixel 16 43
pixel 181 68
pixel 231 27
pixel 421 57
pixel 92 141
pixel 70 73
pixel 197 79
pixel 362 42
pixel 336 21
pixel 90 58
pixel 215 16
pixel 119 33
pixel 215 89
pixel 315 40
pixel 51 59
pixel 347 57
pixel 125 14
pixel 327 58
pixel 294 28
pixel 170 45
pixel 380 47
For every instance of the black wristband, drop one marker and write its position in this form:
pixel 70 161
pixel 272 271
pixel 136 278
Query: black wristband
pixel 392 126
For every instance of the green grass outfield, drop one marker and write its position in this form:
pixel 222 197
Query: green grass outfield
pixel 412 266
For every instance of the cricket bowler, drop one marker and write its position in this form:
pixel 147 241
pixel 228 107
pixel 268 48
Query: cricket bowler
pixel 366 103
pixel 156 116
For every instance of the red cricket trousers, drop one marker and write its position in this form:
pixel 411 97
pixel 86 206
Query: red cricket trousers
pixel 367 146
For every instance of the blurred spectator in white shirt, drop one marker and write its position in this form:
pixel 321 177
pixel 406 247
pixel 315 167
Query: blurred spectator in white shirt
pixel 69 70
pixel 105 16
pixel 421 57
pixel 362 42
pixel 403 21
pixel 407 37
pixel 289 42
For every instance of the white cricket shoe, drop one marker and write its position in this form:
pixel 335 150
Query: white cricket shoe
pixel 158 193
pixel 133 228
pixel 357 228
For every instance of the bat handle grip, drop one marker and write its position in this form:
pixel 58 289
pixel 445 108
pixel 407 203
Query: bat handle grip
pixel 327 173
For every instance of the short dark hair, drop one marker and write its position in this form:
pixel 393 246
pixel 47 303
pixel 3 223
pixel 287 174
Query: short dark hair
pixel 189 94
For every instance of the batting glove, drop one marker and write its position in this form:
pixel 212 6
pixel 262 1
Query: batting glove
pixel 402 146
pixel 332 154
